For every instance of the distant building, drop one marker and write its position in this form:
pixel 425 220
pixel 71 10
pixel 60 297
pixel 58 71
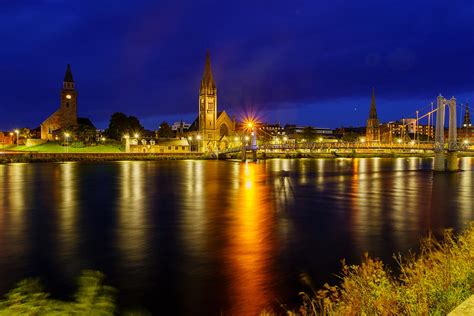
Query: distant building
pixel 161 146
pixel 372 133
pixel 212 129
pixel 466 131
pixel 180 125
pixel 404 129
pixel 66 115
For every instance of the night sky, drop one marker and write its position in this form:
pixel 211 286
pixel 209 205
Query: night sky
pixel 304 62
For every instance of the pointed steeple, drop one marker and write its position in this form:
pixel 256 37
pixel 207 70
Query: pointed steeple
pixel 373 109
pixel 467 117
pixel 207 78
pixel 68 75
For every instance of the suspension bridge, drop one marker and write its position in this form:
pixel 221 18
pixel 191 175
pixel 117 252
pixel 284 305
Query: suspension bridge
pixel 443 148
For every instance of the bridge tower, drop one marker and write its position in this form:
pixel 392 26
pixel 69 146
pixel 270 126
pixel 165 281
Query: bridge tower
pixel 439 162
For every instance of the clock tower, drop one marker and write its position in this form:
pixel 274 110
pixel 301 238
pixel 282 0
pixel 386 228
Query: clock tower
pixel 208 104
pixel 68 103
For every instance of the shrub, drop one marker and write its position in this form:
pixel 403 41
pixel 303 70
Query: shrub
pixel 434 282
pixel 91 298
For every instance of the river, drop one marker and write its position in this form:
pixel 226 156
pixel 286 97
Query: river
pixel 211 237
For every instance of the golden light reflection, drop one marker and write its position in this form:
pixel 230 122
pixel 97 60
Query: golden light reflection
pixel 132 209
pixel 66 194
pixel 465 195
pixel 194 207
pixel 251 245
pixel 17 199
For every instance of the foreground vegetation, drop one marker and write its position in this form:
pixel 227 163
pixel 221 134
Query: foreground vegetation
pixel 433 282
pixel 92 298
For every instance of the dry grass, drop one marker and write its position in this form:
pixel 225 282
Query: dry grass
pixel 432 282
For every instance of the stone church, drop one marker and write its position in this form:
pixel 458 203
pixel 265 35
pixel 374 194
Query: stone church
pixel 372 133
pixel 66 115
pixel 215 129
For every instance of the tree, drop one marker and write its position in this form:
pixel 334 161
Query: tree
pixel 165 131
pixel 85 133
pixel 121 124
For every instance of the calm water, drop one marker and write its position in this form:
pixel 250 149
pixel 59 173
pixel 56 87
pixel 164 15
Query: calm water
pixel 209 236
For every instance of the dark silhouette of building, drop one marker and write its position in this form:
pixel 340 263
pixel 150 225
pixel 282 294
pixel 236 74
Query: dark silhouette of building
pixel 372 132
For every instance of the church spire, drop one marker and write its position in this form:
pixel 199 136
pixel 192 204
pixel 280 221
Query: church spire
pixel 373 109
pixel 467 117
pixel 68 75
pixel 207 78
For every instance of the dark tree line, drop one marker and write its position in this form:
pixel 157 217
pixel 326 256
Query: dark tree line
pixel 121 124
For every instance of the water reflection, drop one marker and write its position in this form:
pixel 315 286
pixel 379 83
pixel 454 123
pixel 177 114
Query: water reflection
pixel 66 198
pixel 251 244
pixel 219 236
pixel 131 212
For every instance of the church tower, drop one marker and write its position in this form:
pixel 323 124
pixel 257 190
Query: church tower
pixel 68 105
pixel 467 117
pixel 66 116
pixel 372 133
pixel 208 104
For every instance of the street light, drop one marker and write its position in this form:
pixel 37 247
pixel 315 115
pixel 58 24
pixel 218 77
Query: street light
pixel 17 132
pixel 66 135
pixel 136 135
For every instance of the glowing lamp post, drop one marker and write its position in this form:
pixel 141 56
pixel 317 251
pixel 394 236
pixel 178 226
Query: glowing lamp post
pixel 127 143
pixel 17 132
pixel 66 136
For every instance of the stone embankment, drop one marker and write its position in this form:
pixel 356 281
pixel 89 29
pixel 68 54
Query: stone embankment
pixel 8 157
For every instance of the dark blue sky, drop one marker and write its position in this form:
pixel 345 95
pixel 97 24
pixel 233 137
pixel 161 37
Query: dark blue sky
pixel 306 62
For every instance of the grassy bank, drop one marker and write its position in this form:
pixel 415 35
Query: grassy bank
pixel 432 282
pixel 55 147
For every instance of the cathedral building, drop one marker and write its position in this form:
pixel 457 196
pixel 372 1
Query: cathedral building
pixel 66 115
pixel 214 129
pixel 372 133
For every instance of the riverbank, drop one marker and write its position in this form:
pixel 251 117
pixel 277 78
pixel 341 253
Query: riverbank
pixel 433 282
pixel 24 157
pixel 12 157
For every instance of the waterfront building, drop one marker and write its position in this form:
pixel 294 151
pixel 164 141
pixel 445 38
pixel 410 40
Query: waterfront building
pixel 372 132
pixel 212 129
pixel 66 116
pixel 405 129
